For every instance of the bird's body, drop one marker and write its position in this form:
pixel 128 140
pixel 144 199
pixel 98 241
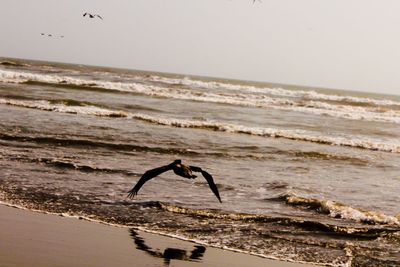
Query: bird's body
pixel 179 169
pixel 183 170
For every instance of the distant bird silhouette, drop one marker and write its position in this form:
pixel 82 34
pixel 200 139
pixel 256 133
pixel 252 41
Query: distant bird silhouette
pixel 51 35
pixel 179 169
pixel 92 15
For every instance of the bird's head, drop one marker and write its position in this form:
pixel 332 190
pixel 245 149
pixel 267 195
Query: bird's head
pixel 177 161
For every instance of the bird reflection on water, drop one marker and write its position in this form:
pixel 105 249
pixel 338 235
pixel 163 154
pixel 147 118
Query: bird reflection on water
pixel 169 253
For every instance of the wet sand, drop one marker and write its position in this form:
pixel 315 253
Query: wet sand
pixel 36 239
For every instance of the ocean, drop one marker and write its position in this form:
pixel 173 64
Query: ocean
pixel 305 174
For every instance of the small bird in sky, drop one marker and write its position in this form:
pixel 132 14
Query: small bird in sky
pixel 92 16
pixel 179 169
pixel 51 35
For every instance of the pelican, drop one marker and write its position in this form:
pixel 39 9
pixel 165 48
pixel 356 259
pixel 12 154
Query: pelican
pixel 179 169
pixel 92 15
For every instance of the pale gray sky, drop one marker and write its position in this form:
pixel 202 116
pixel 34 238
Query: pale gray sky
pixel 343 44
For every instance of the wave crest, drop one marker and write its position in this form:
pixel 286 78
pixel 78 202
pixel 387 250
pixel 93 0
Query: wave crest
pixel 339 210
pixel 276 91
pixel 72 107
pixel 258 98
pixel 299 135
pixel 313 225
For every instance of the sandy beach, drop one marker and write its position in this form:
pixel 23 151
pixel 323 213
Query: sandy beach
pixel 37 239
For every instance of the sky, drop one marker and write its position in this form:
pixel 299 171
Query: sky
pixel 341 44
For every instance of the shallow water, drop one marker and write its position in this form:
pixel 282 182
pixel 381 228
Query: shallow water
pixel 305 174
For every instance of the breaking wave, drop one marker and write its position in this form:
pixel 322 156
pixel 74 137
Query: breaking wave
pixel 339 210
pixel 263 218
pixel 244 96
pixel 299 135
pixel 308 94
pixel 63 108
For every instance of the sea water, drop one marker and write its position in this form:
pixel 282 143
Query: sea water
pixel 305 174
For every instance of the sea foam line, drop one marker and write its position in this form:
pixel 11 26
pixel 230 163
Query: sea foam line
pixel 298 135
pixel 339 210
pixel 240 98
pixel 310 94
pixel 48 106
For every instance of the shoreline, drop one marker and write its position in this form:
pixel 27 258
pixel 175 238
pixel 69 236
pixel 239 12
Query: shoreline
pixel 31 238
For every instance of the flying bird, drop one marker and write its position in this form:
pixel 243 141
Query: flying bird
pixel 179 169
pixel 92 15
pixel 51 35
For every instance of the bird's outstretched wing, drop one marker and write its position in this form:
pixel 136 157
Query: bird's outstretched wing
pixel 147 176
pixel 99 16
pixel 209 179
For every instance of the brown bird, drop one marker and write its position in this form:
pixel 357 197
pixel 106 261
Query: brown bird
pixel 179 169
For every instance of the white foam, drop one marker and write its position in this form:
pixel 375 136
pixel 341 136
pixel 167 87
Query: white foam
pixel 310 94
pixel 301 135
pixel 335 209
pixel 346 112
pixel 48 106
pixel 240 98
pixel 347 212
